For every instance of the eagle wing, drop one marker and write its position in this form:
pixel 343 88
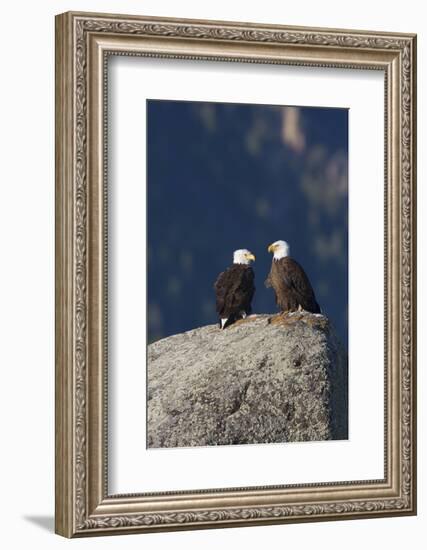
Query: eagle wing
pixel 297 281
pixel 234 289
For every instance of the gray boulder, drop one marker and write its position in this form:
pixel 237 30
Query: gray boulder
pixel 267 379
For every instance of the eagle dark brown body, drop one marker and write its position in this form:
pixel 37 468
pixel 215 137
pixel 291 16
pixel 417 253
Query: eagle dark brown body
pixel 234 289
pixel 291 286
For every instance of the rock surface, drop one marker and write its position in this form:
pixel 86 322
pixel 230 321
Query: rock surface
pixel 267 379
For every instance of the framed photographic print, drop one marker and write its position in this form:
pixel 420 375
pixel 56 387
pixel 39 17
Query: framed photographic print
pixel 235 274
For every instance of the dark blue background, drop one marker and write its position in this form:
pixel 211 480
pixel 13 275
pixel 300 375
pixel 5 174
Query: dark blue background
pixel 228 176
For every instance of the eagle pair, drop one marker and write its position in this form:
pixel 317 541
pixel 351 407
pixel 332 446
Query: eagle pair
pixel 235 286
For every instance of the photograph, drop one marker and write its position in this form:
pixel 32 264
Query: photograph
pixel 235 271
pixel 215 209
pixel 247 275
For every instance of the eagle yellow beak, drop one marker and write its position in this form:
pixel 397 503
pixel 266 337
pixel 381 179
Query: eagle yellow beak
pixel 250 257
pixel 271 248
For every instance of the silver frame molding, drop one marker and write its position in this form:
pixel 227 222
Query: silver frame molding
pixel 83 43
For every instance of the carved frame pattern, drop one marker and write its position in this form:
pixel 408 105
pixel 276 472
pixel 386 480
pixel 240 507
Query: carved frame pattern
pixel 83 506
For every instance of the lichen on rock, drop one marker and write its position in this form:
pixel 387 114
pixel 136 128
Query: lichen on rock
pixel 267 379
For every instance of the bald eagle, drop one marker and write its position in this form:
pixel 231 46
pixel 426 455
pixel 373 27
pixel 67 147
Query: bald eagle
pixel 235 289
pixel 289 281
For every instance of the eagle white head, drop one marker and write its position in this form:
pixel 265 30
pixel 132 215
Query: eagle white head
pixel 280 249
pixel 243 256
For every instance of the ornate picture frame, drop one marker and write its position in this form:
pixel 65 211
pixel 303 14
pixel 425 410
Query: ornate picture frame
pixel 83 43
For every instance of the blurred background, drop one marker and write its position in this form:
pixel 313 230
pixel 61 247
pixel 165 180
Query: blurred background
pixel 228 176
